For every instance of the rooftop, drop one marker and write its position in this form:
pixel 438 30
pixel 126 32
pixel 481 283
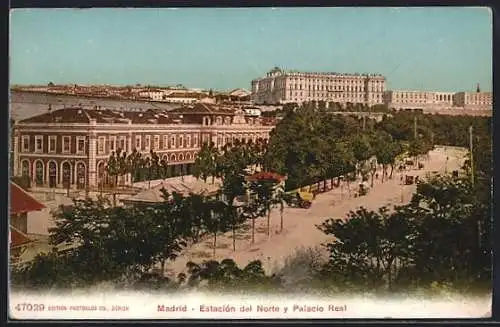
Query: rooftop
pixel 21 201
pixel 188 185
pixel 84 115
pixel 17 238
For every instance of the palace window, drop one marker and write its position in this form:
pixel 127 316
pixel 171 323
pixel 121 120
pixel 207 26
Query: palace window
pixel 101 142
pixel 38 143
pixel 181 141
pixel 138 142
pixel 123 143
pixel 165 141
pixel 52 143
pixel 66 144
pixel 80 144
pixel 147 146
pixel 172 142
pixel 112 143
pixel 156 143
pixel 26 143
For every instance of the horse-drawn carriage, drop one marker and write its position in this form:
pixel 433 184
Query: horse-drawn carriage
pixel 299 199
pixel 362 190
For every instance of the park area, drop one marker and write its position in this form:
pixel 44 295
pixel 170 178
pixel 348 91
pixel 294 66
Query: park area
pixel 300 224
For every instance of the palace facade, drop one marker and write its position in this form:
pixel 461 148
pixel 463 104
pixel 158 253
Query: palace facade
pixel 69 148
pixel 279 87
pixel 402 99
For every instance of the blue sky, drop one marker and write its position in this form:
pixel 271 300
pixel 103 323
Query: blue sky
pixel 447 49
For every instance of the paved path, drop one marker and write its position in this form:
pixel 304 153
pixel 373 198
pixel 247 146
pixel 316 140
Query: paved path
pixel 300 224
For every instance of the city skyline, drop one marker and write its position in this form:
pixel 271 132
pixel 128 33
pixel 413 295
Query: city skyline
pixel 415 48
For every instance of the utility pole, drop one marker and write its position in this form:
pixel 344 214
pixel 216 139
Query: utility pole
pixel 415 127
pixel 471 156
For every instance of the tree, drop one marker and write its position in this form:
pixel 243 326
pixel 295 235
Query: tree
pixel 205 162
pixel 106 244
pixel 134 164
pixel 214 219
pixel 263 187
pixel 226 276
pixel 362 150
pixel 164 168
pixel 113 170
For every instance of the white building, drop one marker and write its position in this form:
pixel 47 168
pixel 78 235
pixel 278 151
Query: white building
pixel 253 112
pixel 474 100
pixel 284 87
pixel 154 94
pixel 405 99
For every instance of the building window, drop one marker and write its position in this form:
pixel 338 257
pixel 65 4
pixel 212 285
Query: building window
pixel 66 146
pixel 26 143
pixel 147 146
pixel 101 141
pixel 38 143
pixel 188 141
pixel 172 142
pixel 156 142
pixel 80 144
pixel 165 141
pixel 181 141
pixel 112 143
pixel 52 143
pixel 195 141
pixel 138 142
pixel 123 143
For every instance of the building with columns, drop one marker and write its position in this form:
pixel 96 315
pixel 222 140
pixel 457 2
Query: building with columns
pixel 69 148
pixel 410 99
pixel 474 100
pixel 405 99
pixel 279 87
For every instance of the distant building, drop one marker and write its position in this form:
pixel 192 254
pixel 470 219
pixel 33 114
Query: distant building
pixel 403 99
pixel 474 100
pixel 253 111
pixel 69 148
pixel 406 99
pixel 279 87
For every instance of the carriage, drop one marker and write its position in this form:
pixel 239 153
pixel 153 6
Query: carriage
pixel 300 199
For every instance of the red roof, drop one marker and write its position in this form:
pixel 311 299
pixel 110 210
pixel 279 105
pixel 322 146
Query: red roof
pixel 17 238
pixel 21 201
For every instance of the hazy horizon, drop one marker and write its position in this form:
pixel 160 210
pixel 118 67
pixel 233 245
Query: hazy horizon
pixel 433 49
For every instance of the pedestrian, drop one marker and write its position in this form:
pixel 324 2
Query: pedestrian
pixel 376 176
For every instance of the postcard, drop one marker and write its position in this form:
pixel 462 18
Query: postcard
pixel 250 163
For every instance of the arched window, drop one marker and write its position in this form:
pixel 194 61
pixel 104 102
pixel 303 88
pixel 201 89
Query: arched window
pixel 81 174
pixel 25 168
pixel 66 174
pixel 39 173
pixel 52 174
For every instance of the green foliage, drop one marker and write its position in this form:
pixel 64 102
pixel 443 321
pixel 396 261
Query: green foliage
pixel 441 236
pixel 227 277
